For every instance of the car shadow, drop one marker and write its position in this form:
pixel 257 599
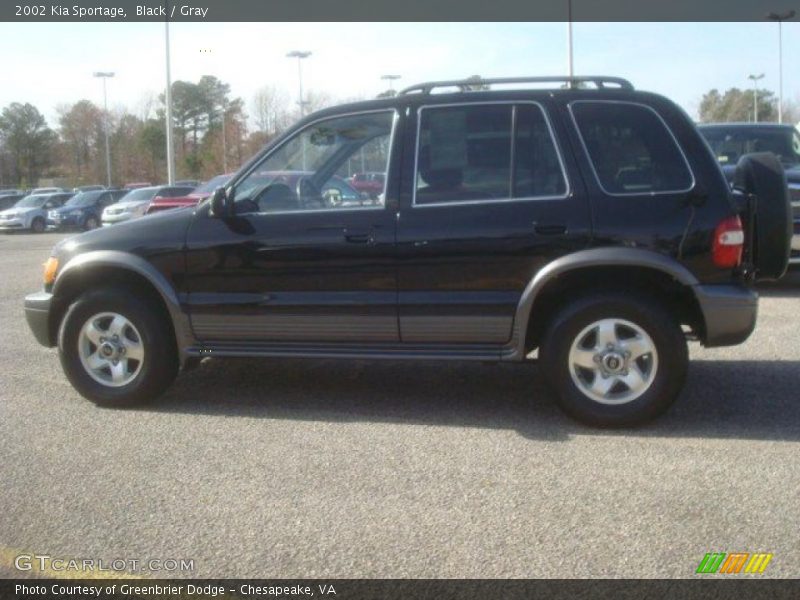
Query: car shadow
pixel 722 399
pixel 787 286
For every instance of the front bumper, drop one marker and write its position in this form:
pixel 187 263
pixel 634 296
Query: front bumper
pixel 119 218
pixel 9 224
pixel 729 312
pixel 37 313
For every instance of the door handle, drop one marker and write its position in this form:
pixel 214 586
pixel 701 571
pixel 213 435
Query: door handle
pixel 358 237
pixel 551 229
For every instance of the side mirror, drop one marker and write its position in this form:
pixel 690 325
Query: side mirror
pixel 219 203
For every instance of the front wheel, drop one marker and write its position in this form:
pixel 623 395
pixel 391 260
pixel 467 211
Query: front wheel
pixel 615 359
pixel 38 225
pixel 91 223
pixel 116 348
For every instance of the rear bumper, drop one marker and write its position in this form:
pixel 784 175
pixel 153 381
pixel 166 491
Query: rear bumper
pixel 729 312
pixel 37 313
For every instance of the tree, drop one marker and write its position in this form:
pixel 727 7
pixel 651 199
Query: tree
pixel 271 110
pixel 81 129
pixel 736 105
pixel 28 140
pixel 152 143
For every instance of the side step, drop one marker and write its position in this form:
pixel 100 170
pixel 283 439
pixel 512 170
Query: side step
pixel 398 351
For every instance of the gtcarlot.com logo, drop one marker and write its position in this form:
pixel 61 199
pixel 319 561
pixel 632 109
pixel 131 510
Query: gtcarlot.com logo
pixel 734 562
pixel 50 565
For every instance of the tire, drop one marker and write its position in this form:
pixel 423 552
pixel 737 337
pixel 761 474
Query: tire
pixel 144 379
pixel 762 175
pixel 573 330
pixel 90 223
pixel 38 225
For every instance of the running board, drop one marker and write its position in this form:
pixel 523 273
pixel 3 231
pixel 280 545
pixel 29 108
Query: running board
pixel 399 351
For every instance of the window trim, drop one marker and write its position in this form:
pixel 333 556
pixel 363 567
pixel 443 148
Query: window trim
pixel 693 182
pixel 266 157
pixel 513 104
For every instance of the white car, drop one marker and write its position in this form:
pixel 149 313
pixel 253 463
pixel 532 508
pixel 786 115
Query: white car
pixel 30 213
pixel 131 205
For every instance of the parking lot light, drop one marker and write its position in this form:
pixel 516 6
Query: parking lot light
pixel 106 75
pixel 755 79
pixel 299 55
pixel 780 18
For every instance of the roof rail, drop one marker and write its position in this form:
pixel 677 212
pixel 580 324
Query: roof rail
pixel 599 81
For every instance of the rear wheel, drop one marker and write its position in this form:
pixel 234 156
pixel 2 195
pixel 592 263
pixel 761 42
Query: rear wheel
pixel 38 225
pixel 91 223
pixel 116 348
pixel 614 359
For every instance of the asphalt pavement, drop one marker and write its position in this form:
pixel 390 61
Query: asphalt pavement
pixel 323 468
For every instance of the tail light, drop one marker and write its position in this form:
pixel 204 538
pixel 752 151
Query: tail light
pixel 728 243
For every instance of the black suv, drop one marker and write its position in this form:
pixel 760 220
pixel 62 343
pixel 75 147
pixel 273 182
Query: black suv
pixel 574 221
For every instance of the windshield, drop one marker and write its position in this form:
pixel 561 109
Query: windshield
pixel 212 184
pixel 31 201
pixel 84 199
pixel 731 143
pixel 139 195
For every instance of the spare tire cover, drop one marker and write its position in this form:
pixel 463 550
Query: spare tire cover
pixel 762 175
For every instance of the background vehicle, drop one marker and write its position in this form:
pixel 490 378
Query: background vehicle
pixel 9 200
pixel 30 212
pixel 137 185
pixel 731 141
pixel 135 203
pixel 369 183
pixel 193 198
pixel 89 188
pixel 189 182
pixel 46 190
pixel 592 226
pixel 83 211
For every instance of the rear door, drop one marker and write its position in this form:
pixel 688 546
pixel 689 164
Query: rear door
pixel 489 198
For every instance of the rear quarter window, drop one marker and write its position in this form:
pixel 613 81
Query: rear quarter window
pixel 630 148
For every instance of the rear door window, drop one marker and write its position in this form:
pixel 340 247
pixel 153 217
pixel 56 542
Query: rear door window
pixel 630 148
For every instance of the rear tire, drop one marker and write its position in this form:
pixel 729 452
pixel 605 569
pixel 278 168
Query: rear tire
pixel 614 359
pixel 107 328
pixel 91 223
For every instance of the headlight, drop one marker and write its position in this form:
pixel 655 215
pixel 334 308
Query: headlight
pixel 50 268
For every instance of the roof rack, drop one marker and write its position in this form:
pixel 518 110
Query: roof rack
pixel 599 81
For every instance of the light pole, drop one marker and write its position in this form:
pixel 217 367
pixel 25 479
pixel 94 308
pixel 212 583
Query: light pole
pixel 570 64
pixel 168 115
pixel 755 79
pixel 106 75
pixel 390 79
pixel 780 18
pixel 224 140
pixel 300 55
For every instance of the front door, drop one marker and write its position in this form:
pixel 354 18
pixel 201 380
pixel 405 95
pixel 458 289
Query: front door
pixel 305 259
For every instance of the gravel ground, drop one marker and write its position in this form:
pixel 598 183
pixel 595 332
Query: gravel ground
pixel 289 468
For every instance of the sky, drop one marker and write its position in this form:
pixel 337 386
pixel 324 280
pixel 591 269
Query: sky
pixel 48 64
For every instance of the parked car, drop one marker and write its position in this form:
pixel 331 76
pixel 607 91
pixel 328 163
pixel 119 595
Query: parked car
pixel 191 199
pixel 9 200
pixel 11 192
pixel 370 183
pixel 46 190
pixel 88 188
pixel 189 182
pixel 137 185
pixel 84 210
pixel 135 203
pixel 589 227
pixel 30 212
pixel 730 141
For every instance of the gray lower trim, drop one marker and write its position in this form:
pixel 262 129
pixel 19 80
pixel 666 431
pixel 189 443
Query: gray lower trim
pixel 37 314
pixel 131 262
pixel 729 312
pixel 594 257
pixel 490 329
pixel 296 327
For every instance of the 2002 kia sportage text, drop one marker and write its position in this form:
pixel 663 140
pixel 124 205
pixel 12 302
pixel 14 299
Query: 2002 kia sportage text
pixel 587 226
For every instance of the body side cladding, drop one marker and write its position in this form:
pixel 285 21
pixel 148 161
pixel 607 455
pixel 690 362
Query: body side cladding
pixel 184 337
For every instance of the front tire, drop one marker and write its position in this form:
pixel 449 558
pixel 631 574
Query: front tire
pixel 38 225
pixel 116 348
pixel 614 359
pixel 91 223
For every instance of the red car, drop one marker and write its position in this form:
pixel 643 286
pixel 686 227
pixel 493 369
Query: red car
pixel 369 183
pixel 192 199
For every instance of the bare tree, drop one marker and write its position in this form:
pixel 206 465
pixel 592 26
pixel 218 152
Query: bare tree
pixel 271 109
